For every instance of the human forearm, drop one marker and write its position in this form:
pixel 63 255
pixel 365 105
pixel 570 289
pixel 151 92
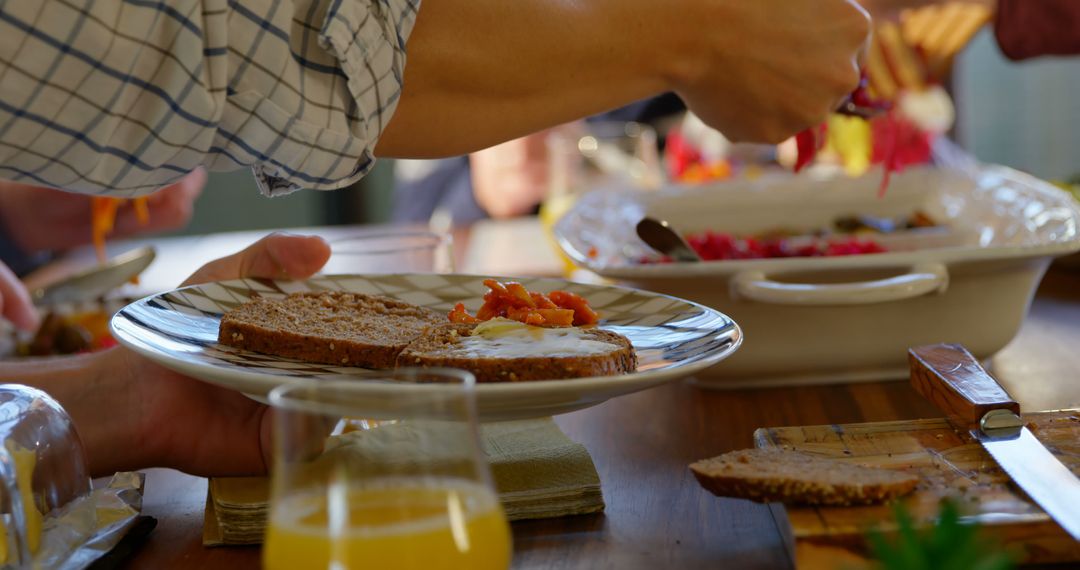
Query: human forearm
pixel 101 407
pixel 301 90
pixel 481 72
pixel 484 71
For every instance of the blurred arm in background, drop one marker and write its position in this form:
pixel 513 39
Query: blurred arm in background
pixel 1023 28
pixel 1032 28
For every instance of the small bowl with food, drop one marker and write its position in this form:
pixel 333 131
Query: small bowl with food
pixel 65 329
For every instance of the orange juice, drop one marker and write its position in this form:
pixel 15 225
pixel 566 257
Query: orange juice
pixel 401 523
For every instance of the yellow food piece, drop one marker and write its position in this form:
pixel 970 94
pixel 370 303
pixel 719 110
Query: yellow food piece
pixel 25 461
pixel 850 139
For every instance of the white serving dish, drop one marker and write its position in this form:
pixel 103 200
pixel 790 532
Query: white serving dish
pixel 839 319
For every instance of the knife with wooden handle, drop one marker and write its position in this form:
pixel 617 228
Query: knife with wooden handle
pixel 950 377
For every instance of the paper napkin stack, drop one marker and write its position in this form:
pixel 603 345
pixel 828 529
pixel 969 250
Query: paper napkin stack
pixel 539 473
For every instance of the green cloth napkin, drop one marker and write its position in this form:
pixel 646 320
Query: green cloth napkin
pixel 539 472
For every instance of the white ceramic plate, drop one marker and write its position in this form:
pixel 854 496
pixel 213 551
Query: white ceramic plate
pixel 673 338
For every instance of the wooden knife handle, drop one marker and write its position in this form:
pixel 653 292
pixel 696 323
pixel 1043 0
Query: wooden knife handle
pixel 950 377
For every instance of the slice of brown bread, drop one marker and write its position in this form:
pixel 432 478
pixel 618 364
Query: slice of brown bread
pixel 537 354
pixel 333 327
pixel 793 477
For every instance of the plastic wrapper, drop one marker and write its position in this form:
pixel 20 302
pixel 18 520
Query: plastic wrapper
pixel 51 516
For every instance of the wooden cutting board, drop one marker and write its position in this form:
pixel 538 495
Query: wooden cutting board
pixel 950 464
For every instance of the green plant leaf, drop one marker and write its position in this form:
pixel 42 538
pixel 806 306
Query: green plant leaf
pixel 948 544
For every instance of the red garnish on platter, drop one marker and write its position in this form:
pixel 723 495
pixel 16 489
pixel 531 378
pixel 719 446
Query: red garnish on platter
pixel 898 143
pixel 807 145
pixel 680 155
pixel 888 137
pixel 715 246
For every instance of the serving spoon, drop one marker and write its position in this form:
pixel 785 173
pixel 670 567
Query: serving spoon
pixel 659 236
pixel 96 281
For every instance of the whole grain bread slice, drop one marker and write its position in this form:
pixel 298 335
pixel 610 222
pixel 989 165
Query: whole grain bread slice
pixel 332 327
pixel 443 347
pixel 793 477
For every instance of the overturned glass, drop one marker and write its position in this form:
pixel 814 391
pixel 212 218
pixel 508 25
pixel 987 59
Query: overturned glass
pixel 50 515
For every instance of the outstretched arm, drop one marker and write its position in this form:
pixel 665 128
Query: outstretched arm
pixel 485 71
pixel 304 91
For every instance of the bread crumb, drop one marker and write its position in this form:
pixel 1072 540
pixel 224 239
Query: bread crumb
pixel 345 360
pixel 331 346
pixel 238 336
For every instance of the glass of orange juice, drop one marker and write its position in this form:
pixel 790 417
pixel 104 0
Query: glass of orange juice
pixel 389 478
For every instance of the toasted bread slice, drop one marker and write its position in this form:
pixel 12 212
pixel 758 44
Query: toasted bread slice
pixel 524 353
pixel 333 327
pixel 777 475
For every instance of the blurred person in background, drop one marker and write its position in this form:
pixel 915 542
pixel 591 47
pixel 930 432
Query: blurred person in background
pixel 506 180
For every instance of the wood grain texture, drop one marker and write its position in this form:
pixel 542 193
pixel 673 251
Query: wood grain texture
pixel 949 376
pixel 950 464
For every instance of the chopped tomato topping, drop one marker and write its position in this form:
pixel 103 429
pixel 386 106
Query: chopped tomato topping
pixel 512 301
pixel 519 293
pixel 459 315
pixel 557 317
pixel 583 313
pixel 542 302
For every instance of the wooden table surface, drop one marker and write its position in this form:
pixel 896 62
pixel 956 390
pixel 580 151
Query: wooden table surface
pixel 657 516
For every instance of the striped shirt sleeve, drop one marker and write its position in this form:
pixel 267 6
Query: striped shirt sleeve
pixel 120 97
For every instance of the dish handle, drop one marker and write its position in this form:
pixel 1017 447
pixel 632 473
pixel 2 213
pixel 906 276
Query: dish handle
pixel 920 279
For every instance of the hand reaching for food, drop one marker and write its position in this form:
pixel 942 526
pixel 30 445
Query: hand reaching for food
pixel 15 301
pixel 771 68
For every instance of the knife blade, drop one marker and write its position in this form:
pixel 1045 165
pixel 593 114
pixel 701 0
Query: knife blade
pixel 952 379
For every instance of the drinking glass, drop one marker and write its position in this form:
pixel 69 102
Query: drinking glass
pixel 42 468
pixel 400 482
pixel 391 251
pixel 588 155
